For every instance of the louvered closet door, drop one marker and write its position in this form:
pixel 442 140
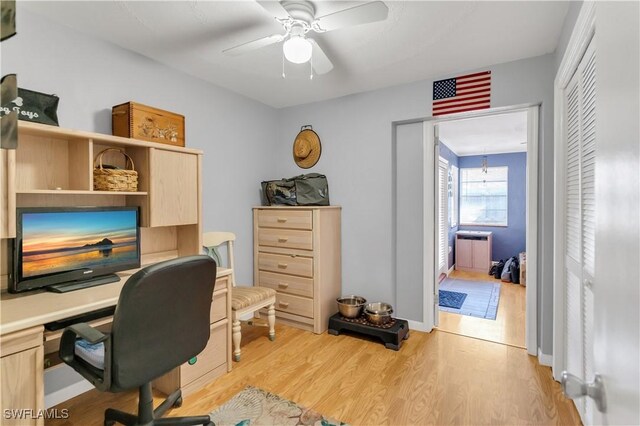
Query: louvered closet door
pixel 579 107
pixel 443 218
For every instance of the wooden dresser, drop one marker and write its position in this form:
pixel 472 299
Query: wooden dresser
pixel 297 252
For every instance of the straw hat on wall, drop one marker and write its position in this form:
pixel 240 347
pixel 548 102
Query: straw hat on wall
pixel 306 148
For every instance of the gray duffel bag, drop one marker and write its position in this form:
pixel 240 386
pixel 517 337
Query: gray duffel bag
pixel 304 190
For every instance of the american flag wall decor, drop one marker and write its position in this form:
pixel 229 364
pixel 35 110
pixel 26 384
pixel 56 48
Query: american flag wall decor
pixel 465 93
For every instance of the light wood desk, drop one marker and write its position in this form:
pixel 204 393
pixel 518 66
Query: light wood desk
pixel 24 343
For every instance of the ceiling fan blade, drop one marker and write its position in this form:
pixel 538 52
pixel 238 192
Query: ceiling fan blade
pixel 253 45
pixel 274 8
pixel 321 63
pixel 363 14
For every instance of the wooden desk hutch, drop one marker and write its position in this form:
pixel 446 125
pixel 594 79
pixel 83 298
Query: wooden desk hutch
pixel 53 167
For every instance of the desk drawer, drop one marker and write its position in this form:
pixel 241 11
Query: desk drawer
pixel 279 218
pixel 294 305
pixel 214 355
pixel 289 284
pixel 218 306
pixel 288 264
pixel 287 238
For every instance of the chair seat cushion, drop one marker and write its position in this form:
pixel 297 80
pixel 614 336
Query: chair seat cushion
pixel 243 297
pixel 92 354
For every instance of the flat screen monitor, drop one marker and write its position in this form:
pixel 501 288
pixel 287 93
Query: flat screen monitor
pixel 70 248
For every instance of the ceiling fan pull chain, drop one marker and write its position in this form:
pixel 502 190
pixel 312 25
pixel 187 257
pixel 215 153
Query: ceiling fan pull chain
pixel 283 74
pixel 311 68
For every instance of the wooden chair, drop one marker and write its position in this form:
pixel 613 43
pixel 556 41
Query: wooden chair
pixel 244 300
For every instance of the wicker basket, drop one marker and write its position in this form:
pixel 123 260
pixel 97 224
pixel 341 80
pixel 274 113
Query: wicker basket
pixel 115 179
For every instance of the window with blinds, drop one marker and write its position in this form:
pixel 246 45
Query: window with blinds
pixel 443 222
pixel 453 196
pixel 484 196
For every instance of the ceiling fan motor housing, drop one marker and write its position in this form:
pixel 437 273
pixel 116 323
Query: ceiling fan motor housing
pixel 300 10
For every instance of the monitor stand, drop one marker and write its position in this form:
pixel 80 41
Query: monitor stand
pixel 80 284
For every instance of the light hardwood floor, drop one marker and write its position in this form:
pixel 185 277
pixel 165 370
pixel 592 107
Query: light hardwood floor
pixel 437 378
pixel 507 328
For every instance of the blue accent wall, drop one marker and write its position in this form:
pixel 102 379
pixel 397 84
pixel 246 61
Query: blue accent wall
pixel 510 240
pixel 452 158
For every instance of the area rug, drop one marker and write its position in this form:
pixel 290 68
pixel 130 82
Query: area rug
pixel 451 299
pixel 481 301
pixel 254 406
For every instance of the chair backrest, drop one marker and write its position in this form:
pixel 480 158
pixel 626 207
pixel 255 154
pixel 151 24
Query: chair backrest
pixel 161 320
pixel 216 239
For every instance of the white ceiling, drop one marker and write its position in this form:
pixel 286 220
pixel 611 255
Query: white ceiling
pixel 494 134
pixel 419 40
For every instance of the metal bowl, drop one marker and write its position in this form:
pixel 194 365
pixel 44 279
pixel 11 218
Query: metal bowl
pixel 378 313
pixel 350 306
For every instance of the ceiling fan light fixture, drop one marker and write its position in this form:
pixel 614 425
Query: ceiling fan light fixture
pixel 297 49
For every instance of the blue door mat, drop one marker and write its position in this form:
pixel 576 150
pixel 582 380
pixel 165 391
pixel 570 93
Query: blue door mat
pixel 451 299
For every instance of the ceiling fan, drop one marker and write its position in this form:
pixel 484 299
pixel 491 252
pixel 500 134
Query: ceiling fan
pixel 298 18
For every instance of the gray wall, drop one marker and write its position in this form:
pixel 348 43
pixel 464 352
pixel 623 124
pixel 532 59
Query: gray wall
pixel 409 230
pixel 567 27
pixel 357 158
pixel 91 76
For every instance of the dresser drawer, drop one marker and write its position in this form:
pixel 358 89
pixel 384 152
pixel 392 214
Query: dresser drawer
pixel 213 355
pixel 218 306
pixel 295 265
pixel 289 284
pixel 291 219
pixel 287 238
pixel 294 305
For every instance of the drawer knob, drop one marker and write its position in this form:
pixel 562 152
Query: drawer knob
pixel 284 304
pixel 283 285
pixel 282 239
pixel 282 265
pixel 282 219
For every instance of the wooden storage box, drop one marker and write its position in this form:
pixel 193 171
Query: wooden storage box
pixel 133 120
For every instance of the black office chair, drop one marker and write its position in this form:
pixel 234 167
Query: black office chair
pixel 161 321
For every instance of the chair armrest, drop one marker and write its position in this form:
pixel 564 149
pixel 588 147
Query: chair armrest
pixel 87 332
pixel 71 333
pixel 93 336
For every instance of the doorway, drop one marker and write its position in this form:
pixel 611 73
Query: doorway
pixel 431 282
pixel 481 226
pixel 415 162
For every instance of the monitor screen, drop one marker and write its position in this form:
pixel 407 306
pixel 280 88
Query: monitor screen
pixel 56 242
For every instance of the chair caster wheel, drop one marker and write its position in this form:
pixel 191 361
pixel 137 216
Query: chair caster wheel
pixel 210 424
pixel 178 403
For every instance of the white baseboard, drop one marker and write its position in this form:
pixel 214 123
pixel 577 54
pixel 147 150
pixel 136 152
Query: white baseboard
pixel 418 326
pixel 544 359
pixel 62 383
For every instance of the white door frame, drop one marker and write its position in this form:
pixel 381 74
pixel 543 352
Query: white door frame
pixel 430 239
pixel 582 34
